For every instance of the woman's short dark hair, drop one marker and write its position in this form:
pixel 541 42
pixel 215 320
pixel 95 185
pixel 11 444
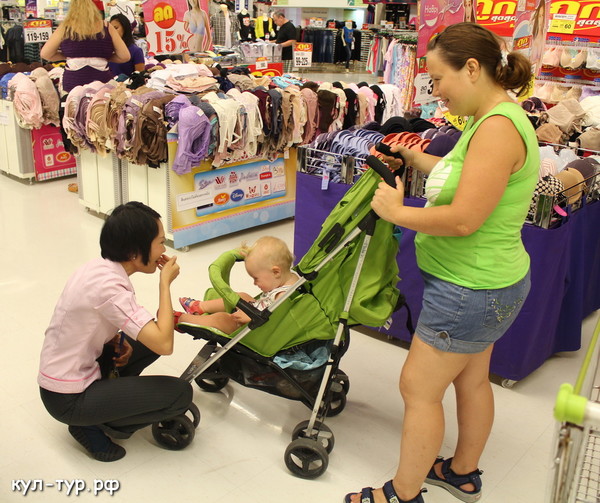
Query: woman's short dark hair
pixel 461 41
pixel 129 230
pixel 127 30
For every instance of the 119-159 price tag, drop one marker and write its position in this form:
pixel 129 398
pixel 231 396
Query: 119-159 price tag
pixel 302 55
pixel 37 31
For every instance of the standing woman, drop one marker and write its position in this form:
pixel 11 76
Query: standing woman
pixel 87 43
pixel 136 62
pixel 97 305
pixel 469 250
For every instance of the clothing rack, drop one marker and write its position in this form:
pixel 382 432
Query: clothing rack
pixel 405 36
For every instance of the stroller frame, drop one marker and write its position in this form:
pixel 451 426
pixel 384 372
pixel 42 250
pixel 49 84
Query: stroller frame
pixel 307 456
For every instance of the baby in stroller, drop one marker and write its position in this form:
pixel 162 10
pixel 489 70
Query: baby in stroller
pixel 268 262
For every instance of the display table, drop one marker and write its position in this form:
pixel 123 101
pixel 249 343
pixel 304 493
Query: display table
pixel 565 272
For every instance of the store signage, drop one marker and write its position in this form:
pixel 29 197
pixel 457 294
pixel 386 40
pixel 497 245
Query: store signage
pixel 434 17
pixel 531 26
pixel 49 156
pixel 498 16
pixel 31 8
pixel 223 189
pixel 423 89
pixel 563 23
pixel 165 27
pixel 37 31
pixel 458 121
pixel 582 16
pixel 262 63
pixel 303 55
pixel 271 70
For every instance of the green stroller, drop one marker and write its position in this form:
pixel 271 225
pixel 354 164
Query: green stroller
pixel 348 277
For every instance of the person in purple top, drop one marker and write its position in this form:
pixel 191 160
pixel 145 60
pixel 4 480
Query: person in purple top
pixel 87 44
pixel 137 61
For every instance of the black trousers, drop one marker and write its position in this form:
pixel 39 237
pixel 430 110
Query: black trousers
pixel 124 404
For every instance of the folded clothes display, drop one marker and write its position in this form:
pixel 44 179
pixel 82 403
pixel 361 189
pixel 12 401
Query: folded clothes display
pixel 27 102
pixel 230 116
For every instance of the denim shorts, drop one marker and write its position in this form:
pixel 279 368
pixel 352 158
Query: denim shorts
pixel 457 319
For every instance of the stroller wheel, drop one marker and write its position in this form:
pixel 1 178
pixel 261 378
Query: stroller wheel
pixel 175 433
pixel 337 402
pixel 306 458
pixel 212 385
pixel 195 413
pixel 343 379
pixel 321 433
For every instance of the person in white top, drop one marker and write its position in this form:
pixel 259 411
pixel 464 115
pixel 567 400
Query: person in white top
pixel 268 262
pixel 98 331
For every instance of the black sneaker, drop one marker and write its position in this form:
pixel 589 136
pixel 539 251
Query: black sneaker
pixel 97 443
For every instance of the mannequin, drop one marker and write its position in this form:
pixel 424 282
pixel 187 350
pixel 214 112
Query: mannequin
pixel 263 27
pixel 348 41
pixel 225 27
pixel 246 28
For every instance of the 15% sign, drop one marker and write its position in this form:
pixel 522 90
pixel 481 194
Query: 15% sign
pixel 302 55
pixel 37 31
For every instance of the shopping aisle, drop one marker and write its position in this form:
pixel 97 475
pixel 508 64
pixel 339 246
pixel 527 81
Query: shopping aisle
pixel 237 454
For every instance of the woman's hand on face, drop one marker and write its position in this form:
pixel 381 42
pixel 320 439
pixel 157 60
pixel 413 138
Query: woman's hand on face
pixel 388 201
pixel 169 268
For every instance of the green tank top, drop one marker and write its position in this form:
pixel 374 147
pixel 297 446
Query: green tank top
pixel 493 256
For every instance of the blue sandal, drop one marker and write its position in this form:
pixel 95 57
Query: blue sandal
pixel 366 495
pixel 452 481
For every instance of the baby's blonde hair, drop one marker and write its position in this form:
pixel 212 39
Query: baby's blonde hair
pixel 271 250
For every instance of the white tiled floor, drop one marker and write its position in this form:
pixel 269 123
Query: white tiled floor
pixel 237 454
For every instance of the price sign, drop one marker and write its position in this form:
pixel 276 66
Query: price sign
pixel 458 121
pixel 562 23
pixel 262 63
pixel 37 31
pixel 303 55
pixel 424 89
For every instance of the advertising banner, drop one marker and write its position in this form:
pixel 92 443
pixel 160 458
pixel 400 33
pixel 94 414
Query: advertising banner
pixel 207 203
pixel 176 26
pixel 498 16
pixel 435 16
pixel 49 155
pixel 531 29
pixel 31 8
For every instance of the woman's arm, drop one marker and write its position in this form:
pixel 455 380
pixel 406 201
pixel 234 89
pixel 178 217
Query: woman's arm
pixel 158 335
pixel 484 177
pixel 121 54
pixel 50 51
pixel 137 58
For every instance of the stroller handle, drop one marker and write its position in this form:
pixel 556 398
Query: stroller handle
pixel 382 170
